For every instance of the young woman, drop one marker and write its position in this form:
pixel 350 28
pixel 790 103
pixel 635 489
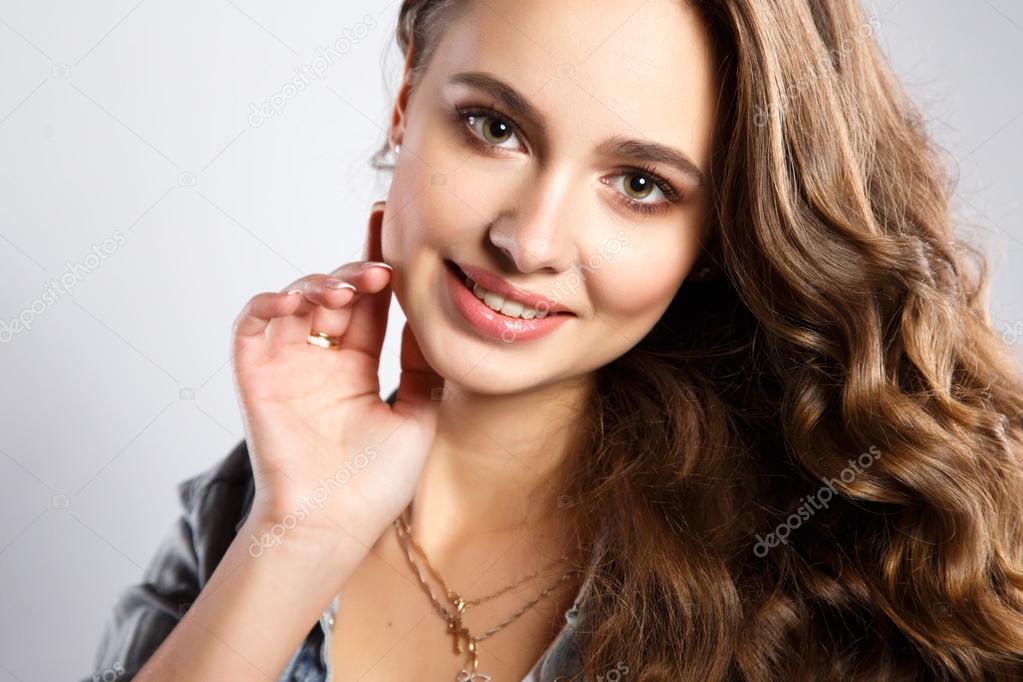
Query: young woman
pixel 696 382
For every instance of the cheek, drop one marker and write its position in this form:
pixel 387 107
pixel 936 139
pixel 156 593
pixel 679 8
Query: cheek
pixel 419 216
pixel 636 286
pixel 433 224
pixel 436 201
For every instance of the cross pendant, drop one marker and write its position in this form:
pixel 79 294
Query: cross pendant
pixel 455 624
pixel 459 633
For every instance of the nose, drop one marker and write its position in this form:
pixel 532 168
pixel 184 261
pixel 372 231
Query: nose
pixel 535 232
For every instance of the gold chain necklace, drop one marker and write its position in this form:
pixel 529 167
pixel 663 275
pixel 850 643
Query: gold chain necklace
pixel 454 620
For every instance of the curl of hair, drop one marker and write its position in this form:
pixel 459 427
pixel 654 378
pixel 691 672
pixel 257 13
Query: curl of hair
pixel 846 320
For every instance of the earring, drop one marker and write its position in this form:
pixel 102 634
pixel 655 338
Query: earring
pixel 397 149
pixel 703 273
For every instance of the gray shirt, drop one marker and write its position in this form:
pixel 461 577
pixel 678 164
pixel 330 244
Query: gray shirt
pixel 215 504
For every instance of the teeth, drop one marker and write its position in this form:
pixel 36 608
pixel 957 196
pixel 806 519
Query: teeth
pixel 502 305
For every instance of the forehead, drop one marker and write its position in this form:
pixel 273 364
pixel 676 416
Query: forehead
pixel 626 67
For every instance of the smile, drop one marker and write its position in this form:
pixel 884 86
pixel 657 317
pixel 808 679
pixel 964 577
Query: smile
pixel 503 305
pixel 495 316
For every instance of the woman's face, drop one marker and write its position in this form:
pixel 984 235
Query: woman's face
pixel 556 146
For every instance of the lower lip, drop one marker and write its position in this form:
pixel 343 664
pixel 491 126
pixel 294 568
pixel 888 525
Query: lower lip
pixel 490 323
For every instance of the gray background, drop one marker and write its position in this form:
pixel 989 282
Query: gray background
pixel 132 169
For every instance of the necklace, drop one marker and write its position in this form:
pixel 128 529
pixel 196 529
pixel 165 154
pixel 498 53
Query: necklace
pixel 462 636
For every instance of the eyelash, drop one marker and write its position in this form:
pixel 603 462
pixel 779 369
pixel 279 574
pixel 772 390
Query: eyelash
pixel 672 196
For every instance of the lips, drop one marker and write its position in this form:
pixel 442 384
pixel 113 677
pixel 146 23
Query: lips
pixel 488 323
pixel 495 284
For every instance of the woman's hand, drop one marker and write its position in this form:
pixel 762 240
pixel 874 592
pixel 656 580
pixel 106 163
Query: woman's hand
pixel 326 451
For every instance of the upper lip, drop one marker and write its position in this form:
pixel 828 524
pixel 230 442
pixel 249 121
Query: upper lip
pixel 492 282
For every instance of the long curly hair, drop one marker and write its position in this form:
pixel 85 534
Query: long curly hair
pixel 810 468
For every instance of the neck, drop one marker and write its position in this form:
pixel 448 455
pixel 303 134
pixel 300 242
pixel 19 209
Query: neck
pixel 490 473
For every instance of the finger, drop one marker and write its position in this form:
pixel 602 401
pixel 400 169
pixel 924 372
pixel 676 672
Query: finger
pixel 318 300
pixel 368 324
pixel 369 278
pixel 332 320
pixel 249 328
pixel 419 383
pixel 372 247
pixel 295 328
pixel 260 309
pixel 331 310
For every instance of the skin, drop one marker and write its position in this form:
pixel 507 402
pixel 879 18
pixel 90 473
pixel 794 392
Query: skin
pixel 535 211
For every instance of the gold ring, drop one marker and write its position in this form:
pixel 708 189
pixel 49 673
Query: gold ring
pixel 323 340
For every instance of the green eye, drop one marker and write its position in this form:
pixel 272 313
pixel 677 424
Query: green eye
pixel 639 187
pixel 491 129
pixel 495 131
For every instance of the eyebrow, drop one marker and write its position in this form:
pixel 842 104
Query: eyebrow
pixel 519 107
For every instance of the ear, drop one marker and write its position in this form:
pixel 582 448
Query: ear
pixel 397 128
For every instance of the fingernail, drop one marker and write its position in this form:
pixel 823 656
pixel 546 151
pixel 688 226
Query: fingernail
pixel 371 263
pixel 377 205
pixel 335 283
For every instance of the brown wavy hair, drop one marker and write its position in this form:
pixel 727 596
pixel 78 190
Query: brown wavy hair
pixel 841 370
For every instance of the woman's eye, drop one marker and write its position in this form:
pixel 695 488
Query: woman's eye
pixel 491 129
pixel 639 186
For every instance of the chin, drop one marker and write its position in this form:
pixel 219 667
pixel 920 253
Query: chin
pixel 474 366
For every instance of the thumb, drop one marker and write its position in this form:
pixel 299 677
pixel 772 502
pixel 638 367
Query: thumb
pixel 367 325
pixel 372 248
